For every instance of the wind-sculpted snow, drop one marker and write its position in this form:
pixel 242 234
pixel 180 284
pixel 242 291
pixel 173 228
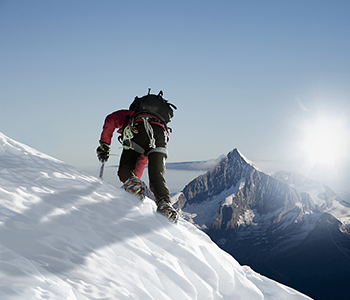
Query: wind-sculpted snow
pixel 67 235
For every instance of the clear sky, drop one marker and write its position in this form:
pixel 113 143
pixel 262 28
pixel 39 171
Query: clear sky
pixel 244 74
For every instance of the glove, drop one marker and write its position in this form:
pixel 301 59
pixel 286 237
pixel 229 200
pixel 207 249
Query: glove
pixel 103 151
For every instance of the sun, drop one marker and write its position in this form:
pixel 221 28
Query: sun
pixel 325 140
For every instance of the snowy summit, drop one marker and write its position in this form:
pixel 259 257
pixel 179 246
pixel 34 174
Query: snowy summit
pixel 67 235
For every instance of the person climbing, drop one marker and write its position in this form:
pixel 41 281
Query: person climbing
pixel 144 137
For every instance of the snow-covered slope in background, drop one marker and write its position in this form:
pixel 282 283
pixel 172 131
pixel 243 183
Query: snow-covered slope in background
pixel 66 235
pixel 325 199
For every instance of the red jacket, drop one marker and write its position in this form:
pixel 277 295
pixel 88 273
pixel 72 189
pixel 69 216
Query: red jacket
pixel 113 121
pixel 116 120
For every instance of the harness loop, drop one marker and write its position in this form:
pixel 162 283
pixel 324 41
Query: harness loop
pixel 150 133
pixel 127 135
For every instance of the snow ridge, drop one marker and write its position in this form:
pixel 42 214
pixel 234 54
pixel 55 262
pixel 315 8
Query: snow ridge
pixel 68 235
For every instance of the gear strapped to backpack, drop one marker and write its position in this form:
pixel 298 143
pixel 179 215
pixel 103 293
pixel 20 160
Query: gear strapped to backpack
pixel 154 105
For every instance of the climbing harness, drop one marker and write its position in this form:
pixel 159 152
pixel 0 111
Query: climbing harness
pixel 129 131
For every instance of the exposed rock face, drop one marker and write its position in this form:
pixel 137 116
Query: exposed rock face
pixel 283 225
pixel 236 186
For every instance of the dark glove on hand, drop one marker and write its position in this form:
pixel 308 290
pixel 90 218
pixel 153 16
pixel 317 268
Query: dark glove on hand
pixel 103 151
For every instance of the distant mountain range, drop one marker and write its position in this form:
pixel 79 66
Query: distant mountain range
pixel 285 226
pixel 201 165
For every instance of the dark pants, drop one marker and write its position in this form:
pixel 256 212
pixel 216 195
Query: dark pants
pixel 156 161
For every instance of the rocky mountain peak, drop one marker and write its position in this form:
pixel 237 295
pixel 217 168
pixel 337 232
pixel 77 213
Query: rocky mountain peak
pixel 237 156
pixel 228 173
pixel 226 196
pixel 278 224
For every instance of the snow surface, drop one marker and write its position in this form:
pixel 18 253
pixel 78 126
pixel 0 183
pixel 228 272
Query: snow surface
pixel 67 235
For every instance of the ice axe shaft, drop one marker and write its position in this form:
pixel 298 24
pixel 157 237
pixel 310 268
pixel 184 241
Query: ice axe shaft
pixel 102 169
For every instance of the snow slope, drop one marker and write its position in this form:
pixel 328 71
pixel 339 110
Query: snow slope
pixel 67 235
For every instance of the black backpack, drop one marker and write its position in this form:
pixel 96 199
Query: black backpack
pixel 156 105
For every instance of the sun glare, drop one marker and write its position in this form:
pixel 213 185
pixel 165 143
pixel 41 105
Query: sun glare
pixel 325 140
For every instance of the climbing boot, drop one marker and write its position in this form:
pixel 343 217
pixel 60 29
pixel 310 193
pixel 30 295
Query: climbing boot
pixel 165 208
pixel 135 186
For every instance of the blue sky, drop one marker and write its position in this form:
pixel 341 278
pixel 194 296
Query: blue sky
pixel 244 74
